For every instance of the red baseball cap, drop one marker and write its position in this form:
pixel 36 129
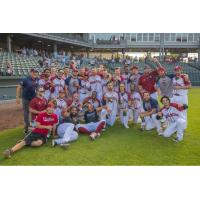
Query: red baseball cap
pixel 177 68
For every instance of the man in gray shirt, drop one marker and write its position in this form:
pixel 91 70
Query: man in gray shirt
pixel 133 78
pixel 164 83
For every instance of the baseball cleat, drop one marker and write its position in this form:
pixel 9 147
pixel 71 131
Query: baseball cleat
pixel 93 136
pixel 53 143
pixel 176 140
pixel 7 153
pixel 98 134
pixel 142 127
pixel 126 126
pixel 160 132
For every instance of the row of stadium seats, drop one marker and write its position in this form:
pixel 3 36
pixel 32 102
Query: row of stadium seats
pixel 22 65
pixel 17 60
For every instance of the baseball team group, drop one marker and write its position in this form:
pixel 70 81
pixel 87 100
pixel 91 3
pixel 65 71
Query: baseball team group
pixel 62 103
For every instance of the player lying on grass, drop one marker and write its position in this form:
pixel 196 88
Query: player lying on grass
pixel 45 123
pixel 169 121
pixel 66 129
pixel 93 126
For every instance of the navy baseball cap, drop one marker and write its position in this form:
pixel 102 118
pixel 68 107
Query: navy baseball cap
pixel 34 70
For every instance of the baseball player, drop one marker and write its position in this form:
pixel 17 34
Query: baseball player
pixel 164 83
pixel 74 101
pixel 60 104
pixel 106 77
pixel 111 100
pixel 147 82
pixel 126 76
pixel 85 88
pixel 181 84
pixel 66 129
pixel 93 100
pixel 58 84
pixel 150 107
pixel 169 121
pixel 133 78
pixel 135 103
pixel 117 78
pixel 123 104
pixel 73 83
pixel 93 125
pixel 82 72
pixel 45 82
pixel 66 72
pixel 96 104
pixel 95 83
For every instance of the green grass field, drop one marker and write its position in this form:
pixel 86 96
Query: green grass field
pixel 117 146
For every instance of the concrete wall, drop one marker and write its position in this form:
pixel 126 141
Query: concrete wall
pixel 8 87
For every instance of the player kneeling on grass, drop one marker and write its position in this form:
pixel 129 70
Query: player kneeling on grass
pixel 93 125
pixel 45 123
pixel 169 121
pixel 150 107
pixel 66 129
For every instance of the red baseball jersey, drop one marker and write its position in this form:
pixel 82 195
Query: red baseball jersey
pixel 45 120
pixel 38 104
pixel 148 81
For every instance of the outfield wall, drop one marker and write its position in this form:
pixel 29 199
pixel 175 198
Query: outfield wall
pixel 8 87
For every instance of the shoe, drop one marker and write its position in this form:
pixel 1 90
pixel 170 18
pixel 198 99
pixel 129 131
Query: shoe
pixel 7 153
pixel 142 126
pixel 176 140
pixel 93 136
pixel 98 134
pixel 160 132
pixel 25 132
pixel 65 145
pixel 53 143
pixel 126 126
